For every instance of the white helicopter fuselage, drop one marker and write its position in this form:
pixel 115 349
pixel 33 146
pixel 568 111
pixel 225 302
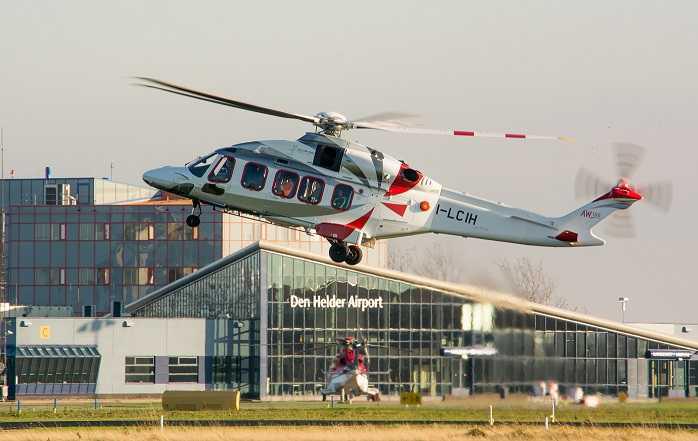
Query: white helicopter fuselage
pixel 352 194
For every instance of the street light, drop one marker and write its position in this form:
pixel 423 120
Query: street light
pixel 623 306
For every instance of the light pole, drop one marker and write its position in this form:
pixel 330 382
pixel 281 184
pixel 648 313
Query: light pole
pixel 623 306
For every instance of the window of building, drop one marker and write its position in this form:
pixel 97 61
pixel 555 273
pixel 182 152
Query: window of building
pixel 58 231
pixel 183 370
pixel 87 231
pixel 310 190
pixel 51 195
pixel 254 176
pixel 199 166
pixel 140 370
pixel 140 231
pixel 342 197
pixel 103 276
pixel 86 276
pixel 285 184
pixel 42 232
pixel 88 310
pixel 223 368
pixel 84 194
pixel 328 156
pixel 139 276
pixel 57 276
pixel 223 170
pixel 102 232
pixel 179 231
pixel 149 276
pixel 41 276
pixel 177 273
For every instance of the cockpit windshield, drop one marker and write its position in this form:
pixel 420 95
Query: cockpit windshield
pixel 199 166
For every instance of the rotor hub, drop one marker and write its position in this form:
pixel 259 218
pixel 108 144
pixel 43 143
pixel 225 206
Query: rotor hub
pixel 331 122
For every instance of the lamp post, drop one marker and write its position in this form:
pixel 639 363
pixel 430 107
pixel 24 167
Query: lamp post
pixel 623 306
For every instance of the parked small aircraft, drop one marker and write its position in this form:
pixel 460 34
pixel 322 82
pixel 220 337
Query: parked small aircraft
pixel 349 375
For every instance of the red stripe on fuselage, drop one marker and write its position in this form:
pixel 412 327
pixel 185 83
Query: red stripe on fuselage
pixel 399 209
pixel 360 222
pixel 514 135
pixel 463 133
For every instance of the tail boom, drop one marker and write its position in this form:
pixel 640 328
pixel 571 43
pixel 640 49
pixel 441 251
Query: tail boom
pixel 467 216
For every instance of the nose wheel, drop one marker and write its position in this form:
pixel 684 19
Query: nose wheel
pixel 194 219
pixel 341 252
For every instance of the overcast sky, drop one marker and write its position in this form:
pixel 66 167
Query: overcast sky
pixel 597 71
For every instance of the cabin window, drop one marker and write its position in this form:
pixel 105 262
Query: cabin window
pixel 310 190
pixel 223 170
pixel 285 184
pixel 254 176
pixel 328 156
pixel 342 197
pixel 199 166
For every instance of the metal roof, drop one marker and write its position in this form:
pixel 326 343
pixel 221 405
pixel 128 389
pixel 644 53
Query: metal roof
pixel 471 292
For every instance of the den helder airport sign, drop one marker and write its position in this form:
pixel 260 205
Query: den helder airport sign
pixel 334 302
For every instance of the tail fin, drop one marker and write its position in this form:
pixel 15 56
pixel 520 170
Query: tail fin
pixel 576 226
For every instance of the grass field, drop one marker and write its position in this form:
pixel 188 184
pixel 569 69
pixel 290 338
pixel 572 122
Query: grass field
pixel 380 433
pixel 476 409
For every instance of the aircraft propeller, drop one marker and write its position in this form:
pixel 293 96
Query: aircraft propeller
pixel 628 160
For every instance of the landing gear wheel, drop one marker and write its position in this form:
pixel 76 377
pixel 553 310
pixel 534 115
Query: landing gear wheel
pixel 193 220
pixel 354 255
pixel 338 252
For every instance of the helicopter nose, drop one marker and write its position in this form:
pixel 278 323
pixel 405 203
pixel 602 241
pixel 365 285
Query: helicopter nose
pixel 161 178
pixel 170 179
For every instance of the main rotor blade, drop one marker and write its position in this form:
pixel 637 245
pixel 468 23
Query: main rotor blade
pixel 191 93
pixel 587 185
pixel 392 118
pixel 389 126
pixel 628 158
pixel 659 194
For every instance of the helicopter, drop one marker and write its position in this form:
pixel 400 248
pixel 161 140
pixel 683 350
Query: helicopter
pixel 353 195
pixel 349 376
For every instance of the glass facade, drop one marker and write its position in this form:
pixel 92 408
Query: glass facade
pixel 97 255
pixel 301 306
pixel 51 369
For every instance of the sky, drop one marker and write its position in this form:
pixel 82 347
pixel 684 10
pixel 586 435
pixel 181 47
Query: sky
pixel 597 71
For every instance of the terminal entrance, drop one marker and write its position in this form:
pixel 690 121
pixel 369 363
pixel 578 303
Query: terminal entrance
pixel 670 373
pixel 236 344
pixel 668 378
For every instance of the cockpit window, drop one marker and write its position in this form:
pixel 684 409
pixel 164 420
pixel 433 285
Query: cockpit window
pixel 328 156
pixel 199 166
pixel 285 184
pixel 310 190
pixel 254 176
pixel 223 170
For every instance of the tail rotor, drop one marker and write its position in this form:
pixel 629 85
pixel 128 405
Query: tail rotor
pixel 628 159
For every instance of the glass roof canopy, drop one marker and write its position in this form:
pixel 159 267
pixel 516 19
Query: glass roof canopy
pixel 57 351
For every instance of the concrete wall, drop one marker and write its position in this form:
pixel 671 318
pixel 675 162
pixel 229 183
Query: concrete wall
pixel 687 331
pixel 145 337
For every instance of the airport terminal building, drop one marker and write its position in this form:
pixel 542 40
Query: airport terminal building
pixel 265 319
